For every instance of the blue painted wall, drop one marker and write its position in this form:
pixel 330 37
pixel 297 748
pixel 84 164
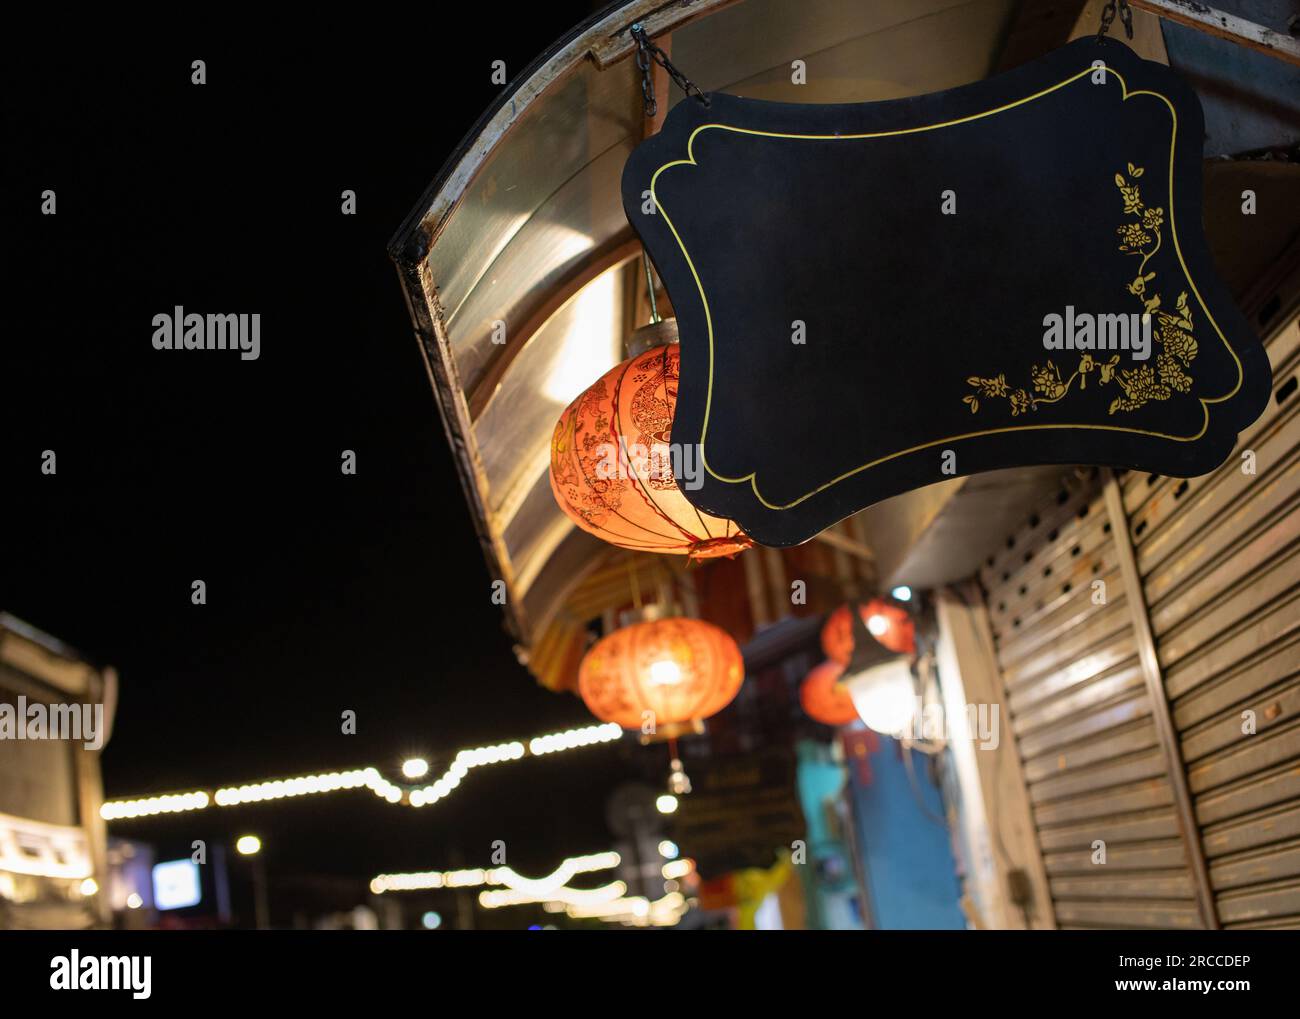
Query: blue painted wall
pixel 910 870
pixel 831 898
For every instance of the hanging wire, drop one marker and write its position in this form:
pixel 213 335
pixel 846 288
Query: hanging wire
pixel 650 287
pixel 646 54
pixel 1108 13
pixel 910 767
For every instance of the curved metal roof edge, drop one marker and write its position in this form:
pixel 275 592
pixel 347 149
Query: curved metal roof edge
pixel 557 59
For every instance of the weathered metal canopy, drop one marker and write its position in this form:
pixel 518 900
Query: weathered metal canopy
pixel 522 238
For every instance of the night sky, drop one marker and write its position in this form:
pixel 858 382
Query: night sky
pixel 325 592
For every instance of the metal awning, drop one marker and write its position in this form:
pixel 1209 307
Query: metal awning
pixel 519 265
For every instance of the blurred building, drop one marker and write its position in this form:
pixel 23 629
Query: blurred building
pixel 53 858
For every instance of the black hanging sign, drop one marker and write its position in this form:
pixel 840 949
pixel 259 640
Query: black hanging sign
pixel 875 297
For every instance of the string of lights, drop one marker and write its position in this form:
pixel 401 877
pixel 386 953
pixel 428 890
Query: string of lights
pixel 476 877
pixel 636 911
pixel 608 902
pixel 587 898
pixel 367 777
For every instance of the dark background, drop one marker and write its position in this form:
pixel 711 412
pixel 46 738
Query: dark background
pixel 325 592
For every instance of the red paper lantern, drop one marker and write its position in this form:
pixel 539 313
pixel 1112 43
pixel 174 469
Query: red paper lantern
pixel 822 697
pixel 888 623
pixel 612 470
pixel 681 670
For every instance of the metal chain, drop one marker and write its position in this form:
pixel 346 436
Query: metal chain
pixel 1108 16
pixel 646 53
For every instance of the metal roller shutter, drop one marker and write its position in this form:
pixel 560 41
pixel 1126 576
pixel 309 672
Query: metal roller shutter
pixel 1081 716
pixel 1166 721
pixel 1219 558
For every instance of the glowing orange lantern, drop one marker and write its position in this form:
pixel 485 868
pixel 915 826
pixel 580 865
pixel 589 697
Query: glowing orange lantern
pixel 824 699
pixel 680 670
pixel 888 623
pixel 612 466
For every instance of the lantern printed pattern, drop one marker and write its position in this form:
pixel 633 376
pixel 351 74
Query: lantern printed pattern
pixel 612 465
pixel 824 699
pixel 888 623
pixel 679 670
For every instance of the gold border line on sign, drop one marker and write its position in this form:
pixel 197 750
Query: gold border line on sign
pixel 708 317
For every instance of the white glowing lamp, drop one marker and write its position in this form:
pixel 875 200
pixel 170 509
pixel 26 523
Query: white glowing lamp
pixel 884 696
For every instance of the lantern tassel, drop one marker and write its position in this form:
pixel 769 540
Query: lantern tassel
pixel 679 783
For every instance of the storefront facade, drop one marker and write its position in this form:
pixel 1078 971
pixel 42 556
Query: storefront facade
pixel 1136 633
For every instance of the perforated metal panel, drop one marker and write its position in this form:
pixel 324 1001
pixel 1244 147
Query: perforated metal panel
pixel 1220 563
pixel 1082 720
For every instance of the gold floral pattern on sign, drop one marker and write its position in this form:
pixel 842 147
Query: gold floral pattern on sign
pixel 1175 346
